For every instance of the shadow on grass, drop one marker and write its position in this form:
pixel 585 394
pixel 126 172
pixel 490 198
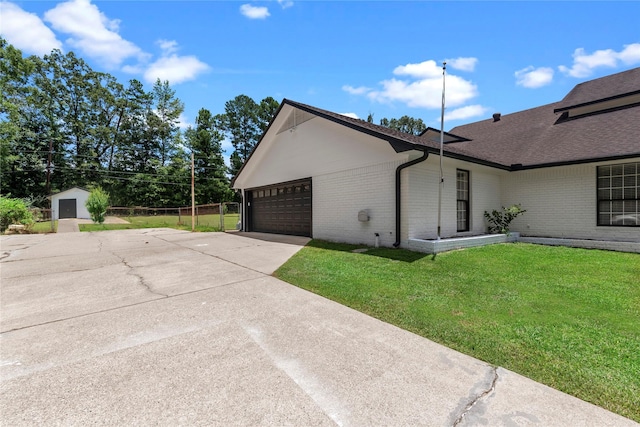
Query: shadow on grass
pixel 389 253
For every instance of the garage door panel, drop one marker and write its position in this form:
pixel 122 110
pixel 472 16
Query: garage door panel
pixel 283 208
pixel 67 208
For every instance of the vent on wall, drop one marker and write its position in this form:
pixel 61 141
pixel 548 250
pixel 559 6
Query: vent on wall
pixel 295 118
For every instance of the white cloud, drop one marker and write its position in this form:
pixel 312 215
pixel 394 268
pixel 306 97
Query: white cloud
pixel 531 77
pixel 355 90
pixel 463 64
pixel 254 12
pixel 168 46
pixel 285 3
pixel 92 32
pixel 183 122
pixel 584 63
pixel 133 69
pixel 425 93
pixel 421 88
pixel 426 69
pixel 26 31
pixel 176 69
pixel 466 112
pixel 630 54
pixel 352 115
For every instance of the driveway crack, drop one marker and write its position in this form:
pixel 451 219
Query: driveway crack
pixel 478 397
pixel 140 277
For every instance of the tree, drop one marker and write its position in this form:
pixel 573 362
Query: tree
pixel 21 168
pixel 163 121
pixel 266 110
pixel 97 204
pixel 244 121
pixel 404 124
pixel 14 211
pixel 205 140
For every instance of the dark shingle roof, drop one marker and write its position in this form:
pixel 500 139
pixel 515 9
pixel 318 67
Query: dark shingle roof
pixel 400 141
pixel 607 87
pixel 535 137
pixel 532 138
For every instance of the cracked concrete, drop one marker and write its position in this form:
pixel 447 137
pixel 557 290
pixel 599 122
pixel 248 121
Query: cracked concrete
pixel 469 406
pixel 166 327
pixel 140 277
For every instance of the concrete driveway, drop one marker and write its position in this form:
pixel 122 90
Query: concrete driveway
pixel 165 327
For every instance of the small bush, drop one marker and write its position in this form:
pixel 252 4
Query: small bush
pixel 14 211
pixel 499 221
pixel 97 205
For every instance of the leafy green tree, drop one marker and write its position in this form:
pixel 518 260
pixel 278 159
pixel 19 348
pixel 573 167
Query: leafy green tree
pixel 205 140
pixel 97 204
pixel 266 110
pixel 240 122
pixel 14 211
pixel 243 122
pixel 164 120
pixel 21 166
pixel 404 124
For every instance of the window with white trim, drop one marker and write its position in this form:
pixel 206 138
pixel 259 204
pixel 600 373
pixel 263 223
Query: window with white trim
pixel 462 199
pixel 619 195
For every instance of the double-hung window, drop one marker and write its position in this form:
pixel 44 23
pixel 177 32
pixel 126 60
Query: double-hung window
pixel 619 195
pixel 462 199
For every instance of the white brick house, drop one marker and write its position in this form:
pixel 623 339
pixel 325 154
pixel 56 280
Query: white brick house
pixel 573 165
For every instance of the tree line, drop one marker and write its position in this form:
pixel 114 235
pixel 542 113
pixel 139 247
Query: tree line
pixel 63 124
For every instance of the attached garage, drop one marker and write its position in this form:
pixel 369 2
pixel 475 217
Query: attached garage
pixel 70 204
pixel 283 208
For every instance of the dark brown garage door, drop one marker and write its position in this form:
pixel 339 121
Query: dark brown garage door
pixel 283 208
pixel 67 208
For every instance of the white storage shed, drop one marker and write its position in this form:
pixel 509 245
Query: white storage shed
pixel 70 203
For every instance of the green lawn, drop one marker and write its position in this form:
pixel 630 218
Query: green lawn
pixel 44 227
pixel 566 317
pixel 204 223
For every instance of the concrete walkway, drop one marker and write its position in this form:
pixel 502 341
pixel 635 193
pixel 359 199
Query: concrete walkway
pixel 166 327
pixel 70 225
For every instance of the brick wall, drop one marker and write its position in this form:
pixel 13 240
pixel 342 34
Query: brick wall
pixel 421 193
pixel 339 196
pixel 561 203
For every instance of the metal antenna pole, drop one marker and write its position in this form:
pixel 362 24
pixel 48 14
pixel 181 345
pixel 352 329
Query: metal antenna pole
pixel 441 183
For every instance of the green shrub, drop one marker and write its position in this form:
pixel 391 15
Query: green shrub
pixel 97 204
pixel 14 211
pixel 499 221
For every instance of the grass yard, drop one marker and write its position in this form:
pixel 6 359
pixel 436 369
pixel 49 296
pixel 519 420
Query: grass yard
pixel 204 223
pixel 44 227
pixel 566 317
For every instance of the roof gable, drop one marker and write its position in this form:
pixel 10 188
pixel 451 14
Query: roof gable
pixel 538 137
pixel 69 189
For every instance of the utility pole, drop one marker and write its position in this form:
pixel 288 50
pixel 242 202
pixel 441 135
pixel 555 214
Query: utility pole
pixel 193 194
pixel 49 183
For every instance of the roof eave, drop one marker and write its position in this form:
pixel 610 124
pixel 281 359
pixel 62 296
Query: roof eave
pixel 597 101
pixel 575 162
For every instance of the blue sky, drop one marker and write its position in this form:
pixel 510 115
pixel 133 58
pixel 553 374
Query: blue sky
pixel 351 57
